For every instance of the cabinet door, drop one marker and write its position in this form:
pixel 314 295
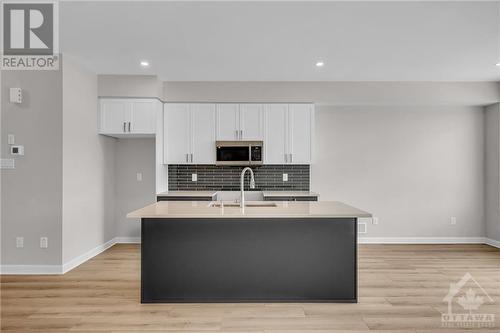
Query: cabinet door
pixel 275 134
pixel 142 116
pixel 251 122
pixel 177 126
pixel 228 122
pixel 113 115
pixel 300 131
pixel 203 133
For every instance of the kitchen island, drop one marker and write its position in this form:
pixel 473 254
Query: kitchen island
pixel 195 251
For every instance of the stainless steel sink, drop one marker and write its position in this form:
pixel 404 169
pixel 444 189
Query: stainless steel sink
pixel 221 204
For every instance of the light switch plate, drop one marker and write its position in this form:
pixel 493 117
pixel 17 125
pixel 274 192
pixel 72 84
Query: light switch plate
pixel 11 139
pixel 139 176
pixel 16 95
pixel 194 177
pixel 19 242
pixel 285 177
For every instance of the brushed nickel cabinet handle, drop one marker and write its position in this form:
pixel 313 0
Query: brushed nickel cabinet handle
pixel 191 157
pixel 236 133
pixel 187 158
pixel 241 134
pixel 129 126
pixel 286 158
pixel 124 127
pixel 291 158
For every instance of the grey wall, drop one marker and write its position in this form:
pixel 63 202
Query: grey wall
pixel 32 193
pixel 88 166
pixel 492 181
pixel 129 86
pixel 133 156
pixel 413 167
pixel 336 93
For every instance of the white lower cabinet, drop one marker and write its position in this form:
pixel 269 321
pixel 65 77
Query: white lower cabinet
pixel 128 117
pixel 189 134
pixel 288 133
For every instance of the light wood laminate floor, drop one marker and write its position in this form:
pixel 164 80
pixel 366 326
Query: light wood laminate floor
pixel 401 289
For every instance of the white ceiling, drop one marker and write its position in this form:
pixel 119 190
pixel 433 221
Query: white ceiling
pixel 281 41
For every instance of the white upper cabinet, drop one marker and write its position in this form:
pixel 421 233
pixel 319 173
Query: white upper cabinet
pixel 251 122
pixel 228 121
pixel 177 134
pixel 113 116
pixel 275 134
pixel 288 133
pixel 240 122
pixel 189 132
pixel 203 133
pixel 123 117
pixel 142 116
pixel 300 124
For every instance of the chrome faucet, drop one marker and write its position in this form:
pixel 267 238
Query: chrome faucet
pixel 242 185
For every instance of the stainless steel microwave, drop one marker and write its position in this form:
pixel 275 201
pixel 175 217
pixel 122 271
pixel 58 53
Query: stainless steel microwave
pixel 239 152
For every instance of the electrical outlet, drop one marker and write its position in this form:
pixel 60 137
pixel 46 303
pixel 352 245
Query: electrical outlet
pixel 11 139
pixel 19 242
pixel 285 177
pixel 44 242
pixel 453 220
pixel 194 177
pixel 139 176
pixel 374 220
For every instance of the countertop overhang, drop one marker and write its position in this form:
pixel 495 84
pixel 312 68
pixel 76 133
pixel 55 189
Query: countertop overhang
pixel 283 209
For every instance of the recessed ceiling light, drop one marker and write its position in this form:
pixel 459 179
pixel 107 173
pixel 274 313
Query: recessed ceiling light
pixel 144 63
pixel 498 64
pixel 320 64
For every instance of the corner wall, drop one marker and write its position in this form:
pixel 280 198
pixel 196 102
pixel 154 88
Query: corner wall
pixel 88 167
pixel 32 192
pixel 492 172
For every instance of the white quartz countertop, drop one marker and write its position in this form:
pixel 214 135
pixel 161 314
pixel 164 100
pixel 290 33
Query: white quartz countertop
pixel 283 209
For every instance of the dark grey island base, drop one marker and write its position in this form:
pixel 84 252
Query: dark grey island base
pixel 249 260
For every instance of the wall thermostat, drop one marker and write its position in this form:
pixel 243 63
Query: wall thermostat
pixel 16 95
pixel 17 150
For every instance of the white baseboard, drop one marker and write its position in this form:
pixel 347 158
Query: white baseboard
pixel 62 269
pixel 492 242
pixel 127 240
pixel 31 269
pixel 421 240
pixel 86 256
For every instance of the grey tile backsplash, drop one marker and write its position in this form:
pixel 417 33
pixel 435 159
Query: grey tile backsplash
pixel 211 177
